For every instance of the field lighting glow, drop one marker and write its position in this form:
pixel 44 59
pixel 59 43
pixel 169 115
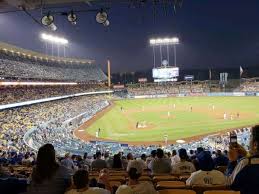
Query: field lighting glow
pixel 36 83
pixel 54 39
pixel 164 41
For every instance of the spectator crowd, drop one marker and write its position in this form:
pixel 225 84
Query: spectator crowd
pixel 120 173
pixel 20 94
pixel 13 65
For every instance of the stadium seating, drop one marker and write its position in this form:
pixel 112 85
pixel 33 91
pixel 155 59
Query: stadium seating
pixel 222 192
pixel 158 178
pixel 170 185
pixel 176 191
pixel 202 189
pixel 15 66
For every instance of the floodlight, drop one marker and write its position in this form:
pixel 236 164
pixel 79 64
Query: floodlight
pixel 175 40
pixel 152 41
pixel 48 20
pixel 164 41
pixel 72 18
pixel 106 23
pixel 54 39
pixel 101 17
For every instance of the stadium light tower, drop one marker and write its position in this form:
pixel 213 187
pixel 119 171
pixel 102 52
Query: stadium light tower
pixel 48 38
pixel 54 39
pixel 164 42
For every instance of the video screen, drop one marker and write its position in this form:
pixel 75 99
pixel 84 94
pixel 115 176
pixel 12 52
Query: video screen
pixel 165 73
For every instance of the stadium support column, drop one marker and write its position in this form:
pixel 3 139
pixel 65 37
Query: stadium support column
pixel 109 73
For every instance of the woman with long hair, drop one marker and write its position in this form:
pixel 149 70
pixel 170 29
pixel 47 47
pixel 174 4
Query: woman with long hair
pixel 48 176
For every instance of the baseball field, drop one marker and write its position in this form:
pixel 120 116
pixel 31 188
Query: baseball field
pixel 149 120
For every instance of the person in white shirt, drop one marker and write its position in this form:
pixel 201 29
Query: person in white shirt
pixel 151 158
pixel 175 158
pixel 134 186
pixel 183 167
pixel 160 165
pixel 206 176
pixel 142 160
pixel 81 181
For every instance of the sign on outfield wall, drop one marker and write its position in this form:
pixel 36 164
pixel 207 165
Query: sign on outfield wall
pixel 238 94
pixel 118 86
pixel 257 94
pixel 153 96
pixel 142 80
pixel 250 93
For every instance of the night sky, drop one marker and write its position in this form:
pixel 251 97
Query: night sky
pixel 213 33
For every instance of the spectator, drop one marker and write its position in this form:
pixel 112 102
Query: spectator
pixel 48 177
pixel 86 162
pixel 117 161
pixel 160 164
pixel 81 183
pixel 151 158
pixel 175 158
pixel 195 161
pixel 129 158
pixel 134 186
pixel 235 154
pixel 246 174
pixel 99 163
pixel 68 162
pixel 192 155
pixel 206 176
pixel 142 160
pixel 183 167
pixel 220 159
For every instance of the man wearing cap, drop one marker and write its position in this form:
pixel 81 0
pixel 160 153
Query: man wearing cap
pixel 245 177
pixel 206 176
pixel 135 170
pixel 183 167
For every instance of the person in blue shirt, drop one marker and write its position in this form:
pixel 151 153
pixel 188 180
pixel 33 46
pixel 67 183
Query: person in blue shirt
pixel 220 159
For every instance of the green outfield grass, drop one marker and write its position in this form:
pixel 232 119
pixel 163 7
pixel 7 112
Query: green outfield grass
pixel 181 123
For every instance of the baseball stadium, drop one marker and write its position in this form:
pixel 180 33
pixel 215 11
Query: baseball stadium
pixel 100 97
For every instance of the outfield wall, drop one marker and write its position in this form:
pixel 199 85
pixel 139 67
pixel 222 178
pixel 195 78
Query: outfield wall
pixel 198 94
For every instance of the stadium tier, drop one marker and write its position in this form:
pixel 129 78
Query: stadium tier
pixel 21 64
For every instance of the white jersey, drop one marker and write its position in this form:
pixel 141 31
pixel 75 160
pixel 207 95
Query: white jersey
pixel 206 178
pixel 93 190
pixel 142 188
pixel 225 116
pixel 183 168
pixel 175 159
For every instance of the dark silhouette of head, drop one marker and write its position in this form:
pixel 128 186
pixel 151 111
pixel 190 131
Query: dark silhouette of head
pixel 183 154
pixel 160 153
pixel 205 161
pixel 46 164
pixel 117 161
pixel 153 153
pixel 81 179
pixel 98 155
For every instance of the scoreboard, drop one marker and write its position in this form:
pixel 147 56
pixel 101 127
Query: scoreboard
pixel 165 74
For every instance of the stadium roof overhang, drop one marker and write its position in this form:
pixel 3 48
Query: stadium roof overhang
pixel 40 56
